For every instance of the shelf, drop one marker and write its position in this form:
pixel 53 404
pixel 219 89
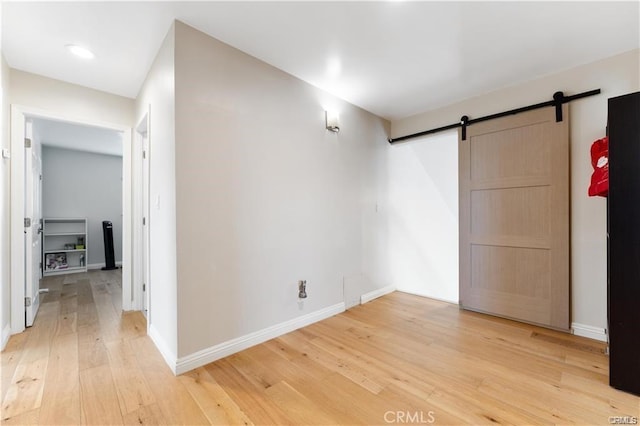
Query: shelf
pixel 61 232
pixel 71 269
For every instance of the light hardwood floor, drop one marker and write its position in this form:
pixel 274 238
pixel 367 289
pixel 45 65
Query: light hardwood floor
pixel 398 359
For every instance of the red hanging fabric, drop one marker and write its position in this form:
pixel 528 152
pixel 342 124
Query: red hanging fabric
pixel 600 162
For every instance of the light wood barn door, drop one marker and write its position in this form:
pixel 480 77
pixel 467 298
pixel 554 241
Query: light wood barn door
pixel 514 218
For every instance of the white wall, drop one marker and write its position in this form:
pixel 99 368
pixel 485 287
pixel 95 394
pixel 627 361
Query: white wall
pixel 615 76
pixel 266 195
pixel 70 100
pixel 158 97
pixel 5 288
pixel 423 216
pixel 88 185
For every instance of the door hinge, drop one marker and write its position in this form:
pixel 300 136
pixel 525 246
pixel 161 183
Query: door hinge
pixel 27 143
pixel 27 302
pixel 40 265
pixel 144 220
pixel 27 222
pixel 144 287
pixel 144 154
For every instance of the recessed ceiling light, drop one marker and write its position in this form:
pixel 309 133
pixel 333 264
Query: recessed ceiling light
pixel 80 51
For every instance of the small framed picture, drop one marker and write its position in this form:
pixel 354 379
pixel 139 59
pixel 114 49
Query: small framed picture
pixel 56 261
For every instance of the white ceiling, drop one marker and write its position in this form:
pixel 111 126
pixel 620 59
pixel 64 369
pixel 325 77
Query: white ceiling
pixel 61 134
pixel 392 58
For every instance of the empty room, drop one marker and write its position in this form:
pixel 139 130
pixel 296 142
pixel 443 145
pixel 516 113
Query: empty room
pixel 322 213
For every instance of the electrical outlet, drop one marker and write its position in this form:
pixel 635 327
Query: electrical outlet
pixel 6 153
pixel 302 289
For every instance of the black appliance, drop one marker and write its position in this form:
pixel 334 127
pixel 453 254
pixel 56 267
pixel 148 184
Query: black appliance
pixel 109 256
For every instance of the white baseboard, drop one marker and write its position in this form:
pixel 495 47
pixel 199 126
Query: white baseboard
pixel 595 333
pixel 162 346
pixel 368 297
pixel 428 296
pixel 91 266
pixel 6 333
pixel 213 353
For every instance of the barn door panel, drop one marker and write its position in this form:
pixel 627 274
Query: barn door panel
pixel 514 218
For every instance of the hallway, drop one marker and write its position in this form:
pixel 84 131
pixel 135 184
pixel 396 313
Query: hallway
pixel 63 362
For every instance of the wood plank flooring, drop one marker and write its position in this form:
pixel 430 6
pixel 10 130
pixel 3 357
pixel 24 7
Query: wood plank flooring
pixel 399 359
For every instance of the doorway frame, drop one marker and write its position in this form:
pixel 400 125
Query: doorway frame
pixel 18 114
pixel 141 132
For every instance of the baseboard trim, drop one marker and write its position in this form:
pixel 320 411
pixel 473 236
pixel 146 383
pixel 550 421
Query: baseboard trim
pixel 6 333
pixel 92 266
pixel 368 297
pixel 216 352
pixel 163 348
pixel 440 299
pixel 591 332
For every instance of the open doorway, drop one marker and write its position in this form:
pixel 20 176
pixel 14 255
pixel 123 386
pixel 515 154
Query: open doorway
pixel 60 196
pixel 81 181
pixel 423 216
pixel 82 178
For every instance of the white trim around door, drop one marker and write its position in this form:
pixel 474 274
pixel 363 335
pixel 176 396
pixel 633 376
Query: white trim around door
pixel 17 189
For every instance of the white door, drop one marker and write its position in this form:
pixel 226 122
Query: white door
pixel 33 226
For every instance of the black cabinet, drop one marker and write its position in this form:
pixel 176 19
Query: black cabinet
pixel 624 242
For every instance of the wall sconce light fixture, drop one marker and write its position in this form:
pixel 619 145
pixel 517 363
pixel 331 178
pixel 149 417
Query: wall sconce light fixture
pixel 331 121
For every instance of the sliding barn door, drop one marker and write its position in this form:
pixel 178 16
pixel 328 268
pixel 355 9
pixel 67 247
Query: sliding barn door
pixel 514 218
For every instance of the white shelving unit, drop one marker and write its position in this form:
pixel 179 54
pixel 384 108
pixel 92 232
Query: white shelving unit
pixel 64 247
